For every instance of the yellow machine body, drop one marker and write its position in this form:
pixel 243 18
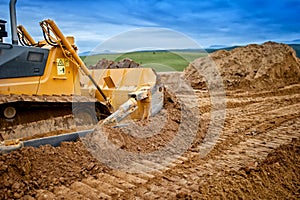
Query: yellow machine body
pixel 61 77
pixel 39 80
pixel 132 90
pixel 119 85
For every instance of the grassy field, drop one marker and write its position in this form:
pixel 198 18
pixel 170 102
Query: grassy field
pixel 159 60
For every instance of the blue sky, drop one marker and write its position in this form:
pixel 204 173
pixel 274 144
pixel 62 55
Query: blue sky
pixel 208 22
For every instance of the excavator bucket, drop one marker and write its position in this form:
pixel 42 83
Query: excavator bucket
pixel 133 92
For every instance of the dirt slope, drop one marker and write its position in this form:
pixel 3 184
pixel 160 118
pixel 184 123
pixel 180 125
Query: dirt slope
pixel 266 66
pixel 275 177
pixel 23 172
pixel 243 163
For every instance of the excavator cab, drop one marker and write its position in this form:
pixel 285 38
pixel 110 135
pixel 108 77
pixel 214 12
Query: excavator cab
pixel 22 61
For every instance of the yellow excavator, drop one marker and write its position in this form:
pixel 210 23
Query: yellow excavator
pixel 48 79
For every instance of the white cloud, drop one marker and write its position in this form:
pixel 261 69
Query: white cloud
pixel 209 22
pixel 147 38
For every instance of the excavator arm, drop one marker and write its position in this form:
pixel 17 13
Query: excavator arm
pixel 54 36
pixel 130 106
pixel 24 37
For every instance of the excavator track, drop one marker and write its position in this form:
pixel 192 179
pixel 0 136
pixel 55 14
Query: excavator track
pixel 47 113
pixel 255 126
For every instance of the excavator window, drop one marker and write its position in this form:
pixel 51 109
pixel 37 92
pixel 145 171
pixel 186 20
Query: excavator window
pixel 18 61
pixel 35 56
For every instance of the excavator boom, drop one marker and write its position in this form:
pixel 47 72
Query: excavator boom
pixel 24 37
pixel 49 26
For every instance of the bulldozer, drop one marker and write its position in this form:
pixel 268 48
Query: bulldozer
pixel 48 79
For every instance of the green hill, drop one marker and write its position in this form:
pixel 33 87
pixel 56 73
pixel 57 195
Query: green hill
pixel 159 60
pixel 163 60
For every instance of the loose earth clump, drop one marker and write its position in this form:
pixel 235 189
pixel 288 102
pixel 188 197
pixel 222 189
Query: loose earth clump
pixel 24 171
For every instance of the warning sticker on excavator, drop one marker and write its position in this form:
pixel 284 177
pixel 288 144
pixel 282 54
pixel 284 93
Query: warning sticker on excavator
pixel 66 62
pixel 61 67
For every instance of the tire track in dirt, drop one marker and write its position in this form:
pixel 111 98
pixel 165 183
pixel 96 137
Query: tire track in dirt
pixel 255 126
pixel 244 154
pixel 188 177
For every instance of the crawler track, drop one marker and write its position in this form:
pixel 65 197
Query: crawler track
pixel 47 113
pixel 256 124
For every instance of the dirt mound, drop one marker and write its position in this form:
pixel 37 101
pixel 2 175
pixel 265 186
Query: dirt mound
pixel 266 66
pixel 166 130
pixel 277 177
pixel 25 171
pixel 109 64
pixel 28 170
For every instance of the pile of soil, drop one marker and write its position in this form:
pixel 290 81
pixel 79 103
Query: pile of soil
pixel 277 177
pixel 25 171
pixel 171 125
pixel 267 66
pixel 109 64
